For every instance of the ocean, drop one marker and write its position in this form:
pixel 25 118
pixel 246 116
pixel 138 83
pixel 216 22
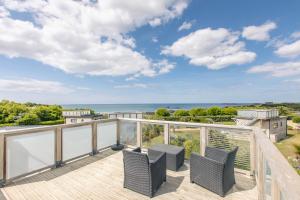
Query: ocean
pixel 105 108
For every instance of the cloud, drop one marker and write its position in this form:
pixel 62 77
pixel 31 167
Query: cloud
pixel 289 50
pixel 185 26
pixel 135 85
pixel 154 39
pixel 84 37
pixel 213 48
pixel 259 33
pixel 33 86
pixel 277 69
pixel 3 12
pixel 295 35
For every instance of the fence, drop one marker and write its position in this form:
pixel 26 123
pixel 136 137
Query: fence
pixel 27 151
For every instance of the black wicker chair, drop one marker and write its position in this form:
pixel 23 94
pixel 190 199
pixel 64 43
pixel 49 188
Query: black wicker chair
pixel 215 171
pixel 144 174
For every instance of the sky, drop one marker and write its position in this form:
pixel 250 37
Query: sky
pixel 158 51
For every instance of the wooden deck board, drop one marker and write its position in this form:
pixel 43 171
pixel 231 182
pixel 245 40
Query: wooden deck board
pixel 101 177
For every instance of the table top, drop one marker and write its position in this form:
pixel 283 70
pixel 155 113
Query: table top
pixel 167 148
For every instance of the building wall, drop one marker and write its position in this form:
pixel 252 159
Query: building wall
pixel 277 126
pixel 70 120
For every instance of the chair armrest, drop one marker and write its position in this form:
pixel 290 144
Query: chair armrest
pixel 158 169
pixel 138 149
pixel 159 161
pixel 201 167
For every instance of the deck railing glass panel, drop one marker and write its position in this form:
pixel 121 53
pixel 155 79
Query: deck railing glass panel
pixel 26 153
pixel 76 141
pixel 106 134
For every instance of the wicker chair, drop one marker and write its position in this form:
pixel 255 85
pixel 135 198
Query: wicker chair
pixel 144 174
pixel 215 171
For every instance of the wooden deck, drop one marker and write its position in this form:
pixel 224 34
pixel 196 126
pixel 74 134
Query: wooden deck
pixel 101 177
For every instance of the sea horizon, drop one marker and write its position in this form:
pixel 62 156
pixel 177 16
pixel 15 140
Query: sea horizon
pixel 145 107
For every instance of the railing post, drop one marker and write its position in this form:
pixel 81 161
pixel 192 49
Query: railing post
pixel 58 147
pixel 167 133
pixel 2 161
pixel 252 154
pixel 94 138
pixel 204 139
pixel 118 131
pixel 139 134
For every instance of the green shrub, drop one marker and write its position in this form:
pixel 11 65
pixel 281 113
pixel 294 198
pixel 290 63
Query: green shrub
pixel 215 110
pixel 198 112
pixel 296 119
pixel 188 146
pixel 60 121
pixel 181 113
pixel 28 119
pixel 229 111
pixel 162 112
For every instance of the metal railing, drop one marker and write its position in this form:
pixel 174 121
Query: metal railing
pixel 27 151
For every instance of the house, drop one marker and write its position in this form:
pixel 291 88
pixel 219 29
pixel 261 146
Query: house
pixel 78 116
pixel 266 119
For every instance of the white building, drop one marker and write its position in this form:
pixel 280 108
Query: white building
pixel 266 119
pixel 78 116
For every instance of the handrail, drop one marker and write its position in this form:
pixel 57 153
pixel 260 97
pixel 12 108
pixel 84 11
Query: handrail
pixel 285 179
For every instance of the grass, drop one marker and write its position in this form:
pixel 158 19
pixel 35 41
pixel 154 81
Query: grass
pixel 288 149
pixel 226 123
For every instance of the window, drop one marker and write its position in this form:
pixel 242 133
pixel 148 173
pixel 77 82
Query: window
pixel 73 120
pixel 281 124
pixel 275 125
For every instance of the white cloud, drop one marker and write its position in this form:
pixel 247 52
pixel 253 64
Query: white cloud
pixel 33 86
pixel 289 50
pixel 277 69
pixel 82 37
pixel 154 39
pixel 295 35
pixel 185 26
pixel 3 12
pixel 259 33
pixel 213 48
pixel 135 85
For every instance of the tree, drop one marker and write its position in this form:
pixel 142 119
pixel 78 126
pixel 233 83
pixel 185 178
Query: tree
pixel 181 113
pixel 296 119
pixel 195 112
pixel 28 119
pixel 283 110
pixel 215 110
pixel 162 112
pixel 48 113
pixel 229 111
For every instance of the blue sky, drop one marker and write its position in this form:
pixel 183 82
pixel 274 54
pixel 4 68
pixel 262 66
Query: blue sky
pixel 164 51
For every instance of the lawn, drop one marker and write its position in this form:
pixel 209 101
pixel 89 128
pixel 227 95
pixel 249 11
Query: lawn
pixel 286 147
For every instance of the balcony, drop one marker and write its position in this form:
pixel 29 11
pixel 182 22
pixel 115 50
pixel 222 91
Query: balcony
pixel 74 161
pixel 258 114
